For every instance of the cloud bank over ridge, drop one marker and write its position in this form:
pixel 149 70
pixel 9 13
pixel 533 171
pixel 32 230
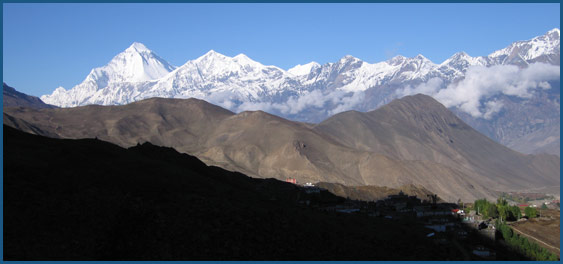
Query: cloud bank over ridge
pixel 475 93
pixel 338 101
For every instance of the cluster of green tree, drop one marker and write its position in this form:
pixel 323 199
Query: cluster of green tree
pixel 531 212
pixel 499 210
pixel 522 244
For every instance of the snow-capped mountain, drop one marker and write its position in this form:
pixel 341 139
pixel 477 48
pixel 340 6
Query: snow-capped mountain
pixel 311 92
pixel 138 73
pixel 136 64
pixel 530 50
pixel 352 74
pixel 214 74
pixel 300 70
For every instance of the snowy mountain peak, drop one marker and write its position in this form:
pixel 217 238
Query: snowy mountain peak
pixel 461 54
pixel 348 58
pixel 420 57
pixel 547 44
pixel 456 65
pixel 211 58
pixel 553 34
pixel 217 64
pixel 399 59
pixel 246 61
pixel 59 90
pixel 136 64
pixel 241 57
pixel 305 69
pixel 138 47
pixel 212 54
pixel 553 31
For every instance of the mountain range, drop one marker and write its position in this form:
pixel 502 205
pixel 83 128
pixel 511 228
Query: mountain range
pixel 509 95
pixel 414 140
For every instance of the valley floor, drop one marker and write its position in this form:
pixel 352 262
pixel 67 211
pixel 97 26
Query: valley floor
pixel 544 230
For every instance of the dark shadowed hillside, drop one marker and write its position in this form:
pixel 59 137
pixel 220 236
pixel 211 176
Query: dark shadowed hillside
pixel 91 200
pixel 374 193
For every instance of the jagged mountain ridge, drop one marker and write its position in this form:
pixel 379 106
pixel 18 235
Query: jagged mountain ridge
pixel 252 81
pixel 411 148
pixel 312 92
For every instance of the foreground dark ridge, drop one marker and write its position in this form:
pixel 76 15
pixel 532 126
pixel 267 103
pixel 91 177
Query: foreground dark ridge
pixel 92 200
pixel 414 140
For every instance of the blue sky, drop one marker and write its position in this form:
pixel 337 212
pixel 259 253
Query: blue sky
pixel 51 45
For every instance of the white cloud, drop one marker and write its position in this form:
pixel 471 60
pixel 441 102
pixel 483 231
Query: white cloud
pixel 345 103
pixel 482 83
pixel 429 87
pixel 224 99
pixel 338 100
pixel 492 107
pixel 314 98
pixel 254 106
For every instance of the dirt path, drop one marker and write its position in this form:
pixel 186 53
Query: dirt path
pixel 535 238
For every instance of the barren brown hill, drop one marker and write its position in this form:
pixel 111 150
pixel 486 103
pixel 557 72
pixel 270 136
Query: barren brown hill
pixel 181 124
pixel 263 145
pixel 11 97
pixel 418 128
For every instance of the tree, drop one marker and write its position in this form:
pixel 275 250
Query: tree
pixel 501 202
pixel 515 213
pixel 492 211
pixel 503 212
pixel 531 212
pixel 552 257
pixel 543 206
pixel 480 206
